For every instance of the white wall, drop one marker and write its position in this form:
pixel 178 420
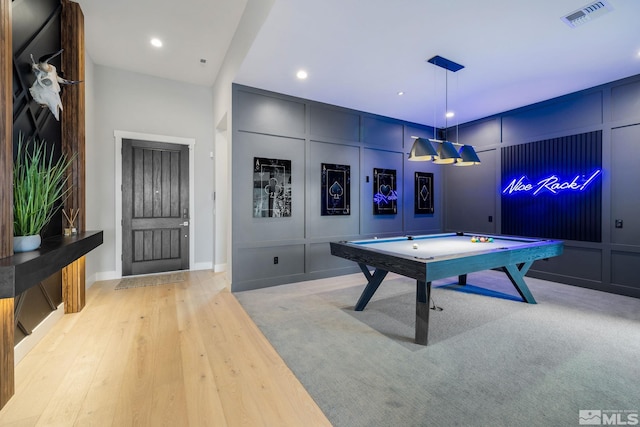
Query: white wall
pixel 126 101
pixel 254 15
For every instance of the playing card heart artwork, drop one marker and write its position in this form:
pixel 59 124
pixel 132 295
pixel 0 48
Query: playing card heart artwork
pixel 385 195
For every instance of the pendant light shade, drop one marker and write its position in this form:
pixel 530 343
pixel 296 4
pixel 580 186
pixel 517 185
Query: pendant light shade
pixel 468 155
pixel 447 154
pixel 422 150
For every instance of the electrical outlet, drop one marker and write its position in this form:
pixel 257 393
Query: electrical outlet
pixel 275 259
pixel 618 223
pixel 490 218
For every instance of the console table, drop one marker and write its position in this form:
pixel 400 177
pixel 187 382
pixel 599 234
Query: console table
pixel 25 270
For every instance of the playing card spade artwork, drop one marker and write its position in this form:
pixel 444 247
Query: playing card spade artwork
pixel 336 189
pixel 385 196
pixel 271 188
pixel 423 193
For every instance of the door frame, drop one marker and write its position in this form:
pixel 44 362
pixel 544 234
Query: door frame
pixel 118 136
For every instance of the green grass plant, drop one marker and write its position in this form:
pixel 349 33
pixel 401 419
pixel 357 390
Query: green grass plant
pixel 39 183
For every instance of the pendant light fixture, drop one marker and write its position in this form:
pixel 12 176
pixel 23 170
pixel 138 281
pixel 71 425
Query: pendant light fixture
pixel 444 151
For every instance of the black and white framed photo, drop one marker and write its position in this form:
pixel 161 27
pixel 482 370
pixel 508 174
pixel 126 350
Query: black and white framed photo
pixel 271 188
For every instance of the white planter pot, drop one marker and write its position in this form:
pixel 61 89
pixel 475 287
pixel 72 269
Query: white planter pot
pixel 26 243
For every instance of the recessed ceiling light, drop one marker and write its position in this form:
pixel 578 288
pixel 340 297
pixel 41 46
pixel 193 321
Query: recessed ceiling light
pixel 156 42
pixel 449 114
pixel 302 74
pixel 400 93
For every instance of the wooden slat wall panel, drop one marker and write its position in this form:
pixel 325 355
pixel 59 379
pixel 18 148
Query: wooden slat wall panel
pixel 73 286
pixel 6 131
pixel 73 101
pixel 576 216
pixel 7 382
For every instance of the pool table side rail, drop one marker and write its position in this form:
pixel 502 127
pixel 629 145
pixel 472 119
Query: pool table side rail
pixel 406 266
pixel 430 269
pixel 497 258
pixel 524 240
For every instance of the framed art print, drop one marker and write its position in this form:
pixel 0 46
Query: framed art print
pixel 385 196
pixel 423 193
pixel 271 187
pixel 335 189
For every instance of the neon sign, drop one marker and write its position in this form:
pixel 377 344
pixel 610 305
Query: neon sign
pixel 552 184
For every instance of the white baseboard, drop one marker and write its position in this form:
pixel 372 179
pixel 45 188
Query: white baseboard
pixel 112 275
pixel 107 275
pixel 201 266
pixel 220 268
pixel 39 332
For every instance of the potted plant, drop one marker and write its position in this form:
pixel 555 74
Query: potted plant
pixel 38 185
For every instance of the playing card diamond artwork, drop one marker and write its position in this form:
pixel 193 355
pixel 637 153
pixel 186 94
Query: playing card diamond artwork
pixel 385 196
pixel 336 189
pixel 271 188
pixel 423 200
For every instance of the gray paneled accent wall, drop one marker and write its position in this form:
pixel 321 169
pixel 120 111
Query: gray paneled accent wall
pixel 614 108
pixel 466 199
pixel 308 133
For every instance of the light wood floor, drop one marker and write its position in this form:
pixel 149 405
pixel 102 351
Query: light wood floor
pixel 184 354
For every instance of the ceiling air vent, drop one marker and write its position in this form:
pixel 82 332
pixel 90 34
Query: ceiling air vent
pixel 587 13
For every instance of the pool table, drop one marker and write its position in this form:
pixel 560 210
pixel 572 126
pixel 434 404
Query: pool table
pixel 437 256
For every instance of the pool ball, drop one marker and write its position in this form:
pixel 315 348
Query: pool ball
pixel 415 246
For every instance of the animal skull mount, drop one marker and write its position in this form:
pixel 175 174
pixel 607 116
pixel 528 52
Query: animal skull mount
pixel 46 89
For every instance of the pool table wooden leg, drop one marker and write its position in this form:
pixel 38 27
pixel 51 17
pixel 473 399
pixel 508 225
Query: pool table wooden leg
pixel 516 275
pixel 372 286
pixel 423 293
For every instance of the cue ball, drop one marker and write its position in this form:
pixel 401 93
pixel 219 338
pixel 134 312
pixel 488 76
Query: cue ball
pixel 415 246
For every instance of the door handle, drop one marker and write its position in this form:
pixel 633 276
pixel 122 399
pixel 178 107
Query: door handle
pixel 185 224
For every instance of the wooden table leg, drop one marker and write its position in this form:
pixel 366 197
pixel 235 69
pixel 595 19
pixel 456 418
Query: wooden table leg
pixel 423 292
pixel 372 286
pixel 516 275
pixel 73 286
pixel 7 327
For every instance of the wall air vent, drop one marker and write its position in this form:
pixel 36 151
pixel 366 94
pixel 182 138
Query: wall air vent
pixel 587 13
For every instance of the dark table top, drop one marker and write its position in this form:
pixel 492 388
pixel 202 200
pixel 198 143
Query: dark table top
pixel 26 269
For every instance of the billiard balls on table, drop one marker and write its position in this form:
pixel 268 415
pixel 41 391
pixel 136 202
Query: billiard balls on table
pixel 415 246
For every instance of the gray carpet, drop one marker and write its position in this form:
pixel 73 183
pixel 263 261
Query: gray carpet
pixel 150 280
pixel 490 360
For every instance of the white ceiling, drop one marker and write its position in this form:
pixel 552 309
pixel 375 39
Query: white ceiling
pixel 360 54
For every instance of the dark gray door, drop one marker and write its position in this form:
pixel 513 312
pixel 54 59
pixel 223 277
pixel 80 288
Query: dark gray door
pixel 155 207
